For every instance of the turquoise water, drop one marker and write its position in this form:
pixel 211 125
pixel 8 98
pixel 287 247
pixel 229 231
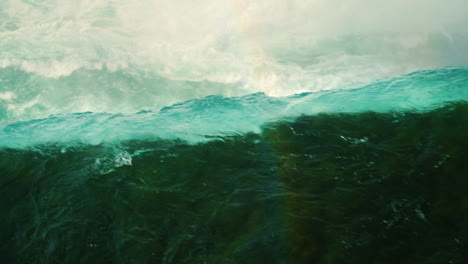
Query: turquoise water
pixel 198 120
pixel 233 131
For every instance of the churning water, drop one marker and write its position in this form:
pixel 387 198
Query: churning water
pixel 233 131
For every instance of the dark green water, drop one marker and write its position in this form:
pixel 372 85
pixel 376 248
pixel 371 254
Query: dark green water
pixel 328 188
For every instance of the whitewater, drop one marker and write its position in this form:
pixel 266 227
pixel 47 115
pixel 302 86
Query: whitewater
pixel 114 57
pixel 233 131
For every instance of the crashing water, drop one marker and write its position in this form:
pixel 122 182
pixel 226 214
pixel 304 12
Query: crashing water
pixel 233 131
pixel 217 116
pixel 113 57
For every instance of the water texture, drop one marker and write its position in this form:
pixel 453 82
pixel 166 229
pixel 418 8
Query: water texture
pixel 233 131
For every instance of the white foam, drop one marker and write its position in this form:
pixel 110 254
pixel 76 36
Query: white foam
pixel 6 96
pixel 279 47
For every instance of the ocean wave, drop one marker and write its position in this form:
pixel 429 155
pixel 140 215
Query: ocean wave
pixel 198 120
pixel 386 181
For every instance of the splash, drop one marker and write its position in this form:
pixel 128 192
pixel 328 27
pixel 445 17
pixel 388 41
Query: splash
pixel 199 120
pixel 160 52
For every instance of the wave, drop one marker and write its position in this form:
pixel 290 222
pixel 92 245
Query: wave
pixel 322 188
pixel 216 116
pixel 267 131
pixel 81 52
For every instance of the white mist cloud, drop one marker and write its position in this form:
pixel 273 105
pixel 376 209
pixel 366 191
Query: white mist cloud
pixel 279 47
